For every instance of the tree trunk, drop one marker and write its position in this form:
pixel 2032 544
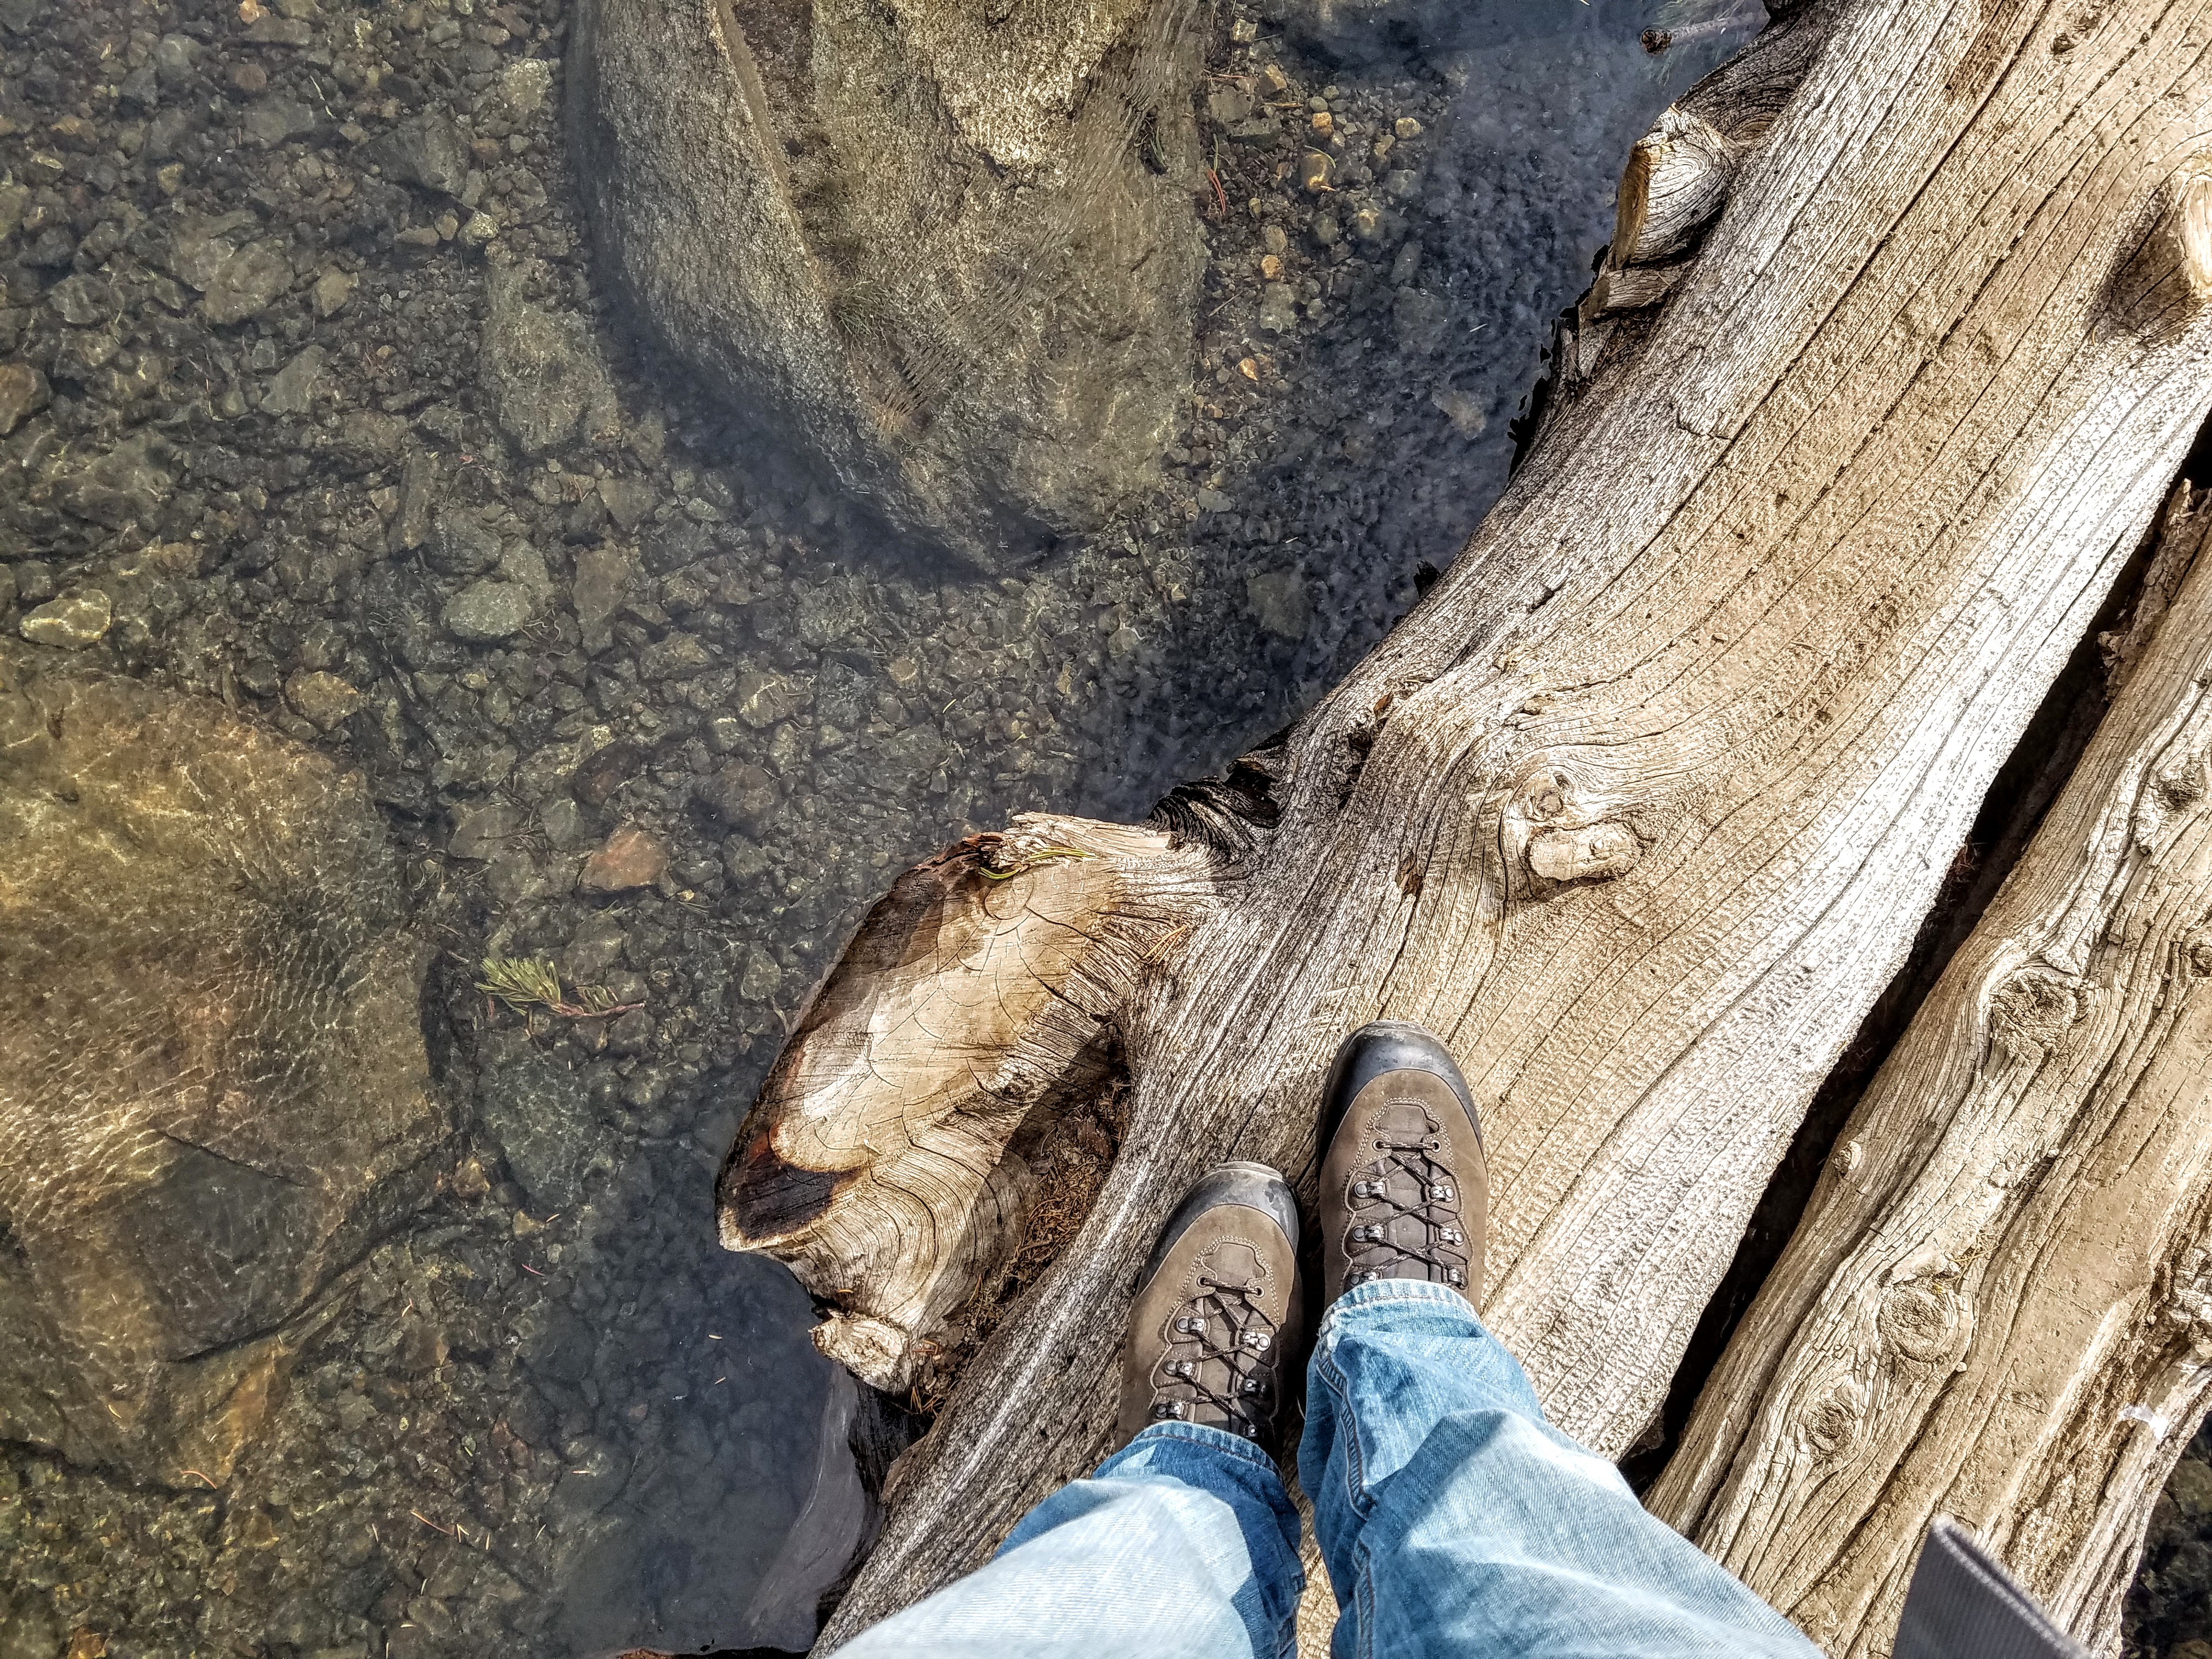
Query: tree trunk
pixel 1638 810
pixel 1998 1306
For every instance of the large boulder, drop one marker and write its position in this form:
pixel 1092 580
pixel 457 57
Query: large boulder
pixel 214 1093
pixel 950 247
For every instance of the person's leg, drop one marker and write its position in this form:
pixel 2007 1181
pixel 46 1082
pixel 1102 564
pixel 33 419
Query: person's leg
pixel 1184 1543
pixel 1456 1521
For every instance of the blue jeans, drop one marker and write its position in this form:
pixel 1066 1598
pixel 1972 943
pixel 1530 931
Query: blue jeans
pixel 1454 1521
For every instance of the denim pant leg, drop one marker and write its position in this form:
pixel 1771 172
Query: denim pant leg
pixel 1456 1522
pixel 1182 1546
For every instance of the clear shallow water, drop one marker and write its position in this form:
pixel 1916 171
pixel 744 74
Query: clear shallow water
pixel 553 1416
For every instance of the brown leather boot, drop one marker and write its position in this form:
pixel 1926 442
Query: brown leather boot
pixel 1214 1329
pixel 1405 1192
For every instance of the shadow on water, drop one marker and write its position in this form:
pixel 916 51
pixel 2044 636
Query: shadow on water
pixel 554 1415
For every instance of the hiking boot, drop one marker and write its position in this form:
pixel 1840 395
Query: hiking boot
pixel 1214 1329
pixel 1405 1192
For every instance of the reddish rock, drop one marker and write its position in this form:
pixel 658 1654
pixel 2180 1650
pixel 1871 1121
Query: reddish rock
pixel 630 858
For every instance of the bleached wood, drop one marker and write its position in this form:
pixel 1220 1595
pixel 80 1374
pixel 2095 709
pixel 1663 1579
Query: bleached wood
pixel 1998 1305
pixel 1639 808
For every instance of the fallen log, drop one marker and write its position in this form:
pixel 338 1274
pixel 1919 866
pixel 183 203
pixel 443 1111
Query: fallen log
pixel 1998 1306
pixel 1638 809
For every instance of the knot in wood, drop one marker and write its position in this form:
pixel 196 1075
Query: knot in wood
pixel 1829 1422
pixel 2032 1012
pixel 1593 852
pixel 1918 1320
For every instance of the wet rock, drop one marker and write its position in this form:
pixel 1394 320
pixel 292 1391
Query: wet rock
pixel 273 120
pixel 741 794
pixel 427 151
pixel 23 393
pixel 677 657
pixel 948 272
pixel 541 370
pixel 597 947
pixel 602 577
pixel 176 61
pixel 462 545
pixel 219 1094
pixel 1278 599
pixel 630 858
pixel 129 482
pixel 322 698
pixel 1420 320
pixel 82 301
pixel 539 1114
pixel 332 290
pixel 603 772
pixel 490 609
pixel 482 832
pixel 294 389
pixel 763 698
pixel 80 617
pixel 245 284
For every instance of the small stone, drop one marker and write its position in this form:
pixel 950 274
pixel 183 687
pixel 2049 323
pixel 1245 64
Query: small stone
pixel 762 976
pixel 1314 167
pixel 1325 229
pixel 1244 31
pixel 1279 308
pixel 542 371
pixel 72 622
pixel 1370 223
pixel 322 697
pixel 1323 123
pixel 677 657
pixel 1278 599
pixel 130 481
pixel 1229 104
pixel 426 151
pixel 23 393
pixel 245 284
pixel 596 947
pixel 741 794
pixel 251 79
pixel 1465 414
pixel 82 301
pixel 1271 267
pixel 602 577
pixel 481 231
pixel 563 821
pixel 1212 501
pixel 1272 78
pixel 271 121
pixel 1407 127
pixel 461 544
pixel 489 609
pixel 1403 185
pixel 631 858
pixel 1274 240
pixel 1407 265
pixel 762 699
pixel 332 290
pixel 293 391
pixel 1420 320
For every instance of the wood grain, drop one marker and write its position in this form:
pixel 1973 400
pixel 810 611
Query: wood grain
pixel 1640 808
pixel 1996 1304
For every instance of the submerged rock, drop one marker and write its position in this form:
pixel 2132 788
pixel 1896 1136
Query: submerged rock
pixel 951 250
pixel 214 1093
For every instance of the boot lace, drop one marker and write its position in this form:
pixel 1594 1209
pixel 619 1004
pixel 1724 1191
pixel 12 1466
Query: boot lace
pixel 1220 1361
pixel 1405 1208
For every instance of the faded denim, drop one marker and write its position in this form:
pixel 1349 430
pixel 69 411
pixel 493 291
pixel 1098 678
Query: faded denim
pixel 1455 1521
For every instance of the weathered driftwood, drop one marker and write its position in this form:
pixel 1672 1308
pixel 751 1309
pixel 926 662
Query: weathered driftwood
pixel 1638 809
pixel 1998 1306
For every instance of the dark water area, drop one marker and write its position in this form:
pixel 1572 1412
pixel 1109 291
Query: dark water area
pixel 310 406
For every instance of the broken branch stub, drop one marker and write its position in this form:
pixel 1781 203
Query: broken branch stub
pixel 976 992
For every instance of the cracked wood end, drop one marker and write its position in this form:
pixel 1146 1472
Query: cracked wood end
pixel 980 991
